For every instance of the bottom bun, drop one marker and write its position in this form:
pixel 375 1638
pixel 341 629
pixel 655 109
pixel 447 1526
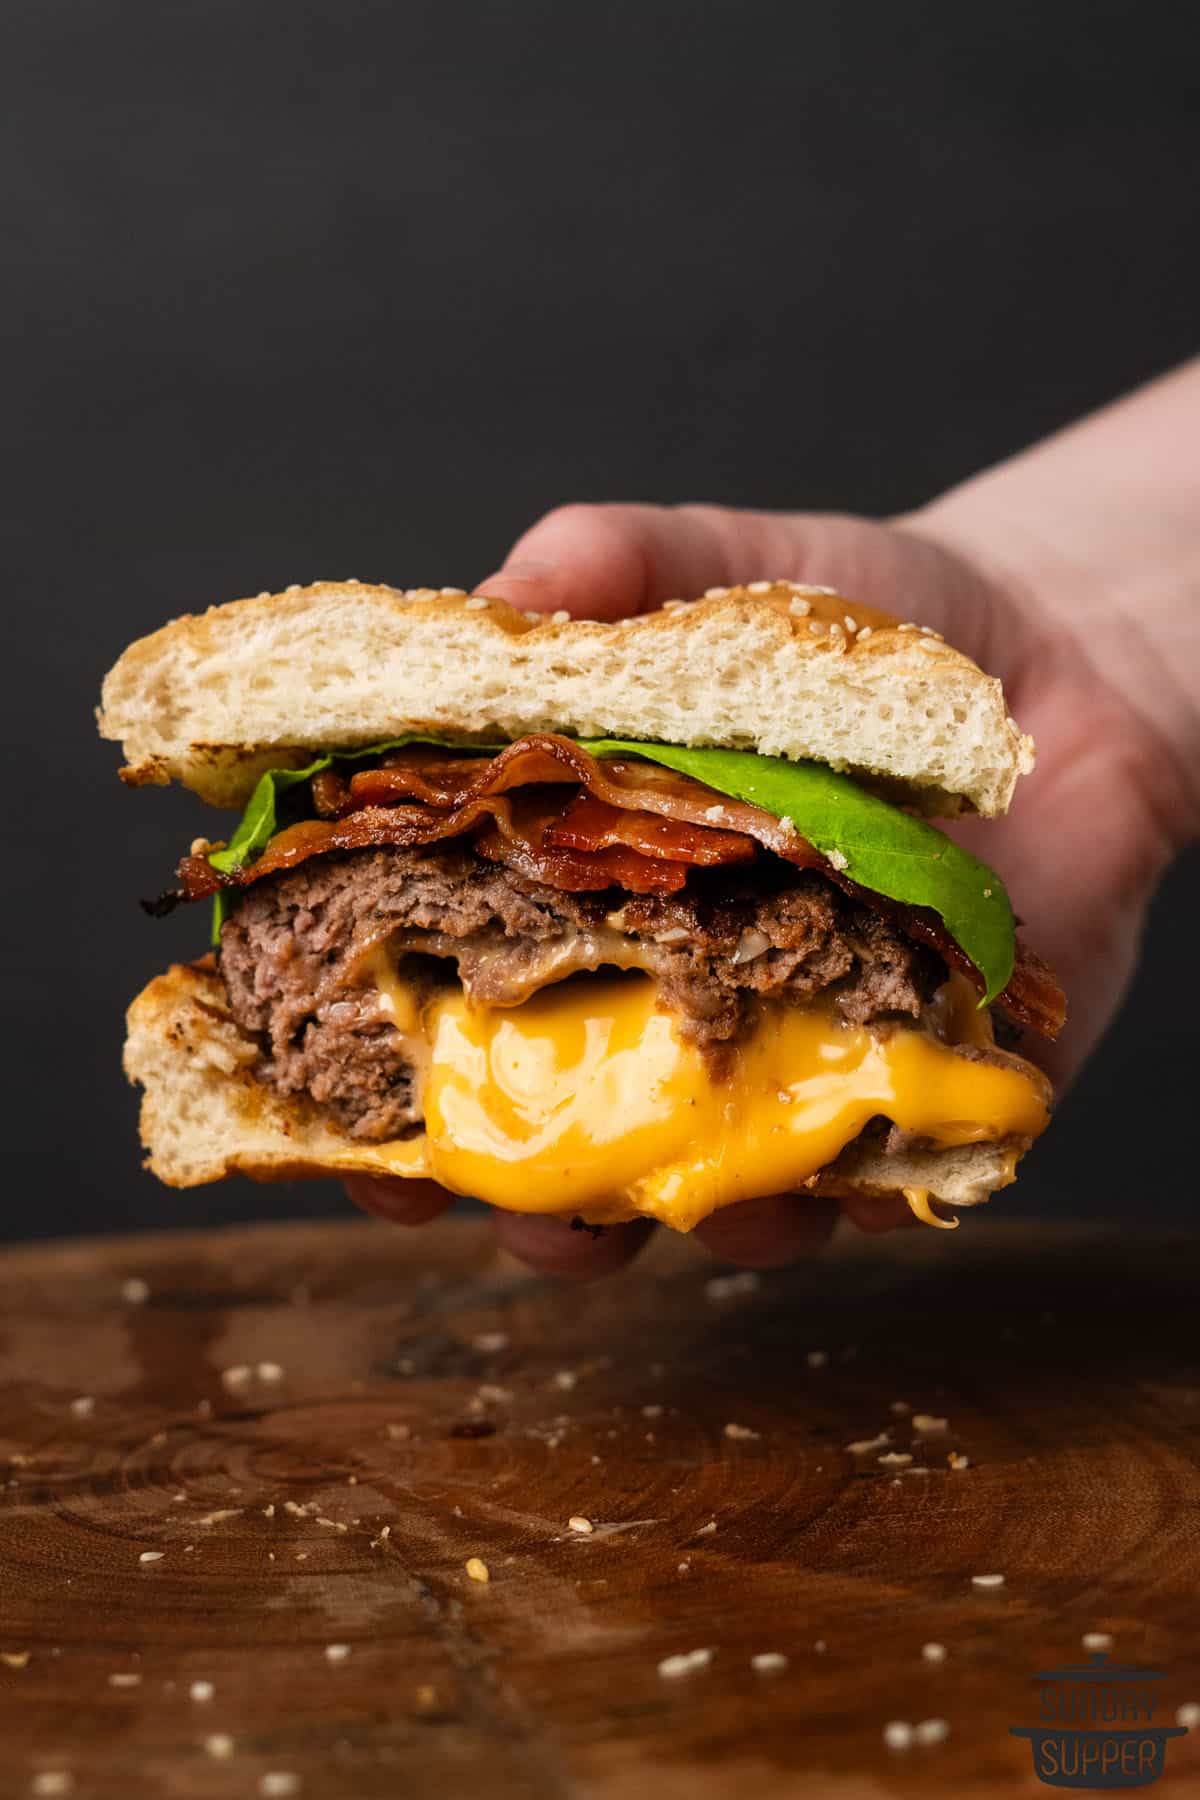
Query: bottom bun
pixel 205 1116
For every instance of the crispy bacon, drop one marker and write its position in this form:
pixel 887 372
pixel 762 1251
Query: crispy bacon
pixel 634 825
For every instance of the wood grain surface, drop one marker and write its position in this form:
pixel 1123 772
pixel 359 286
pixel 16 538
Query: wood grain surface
pixel 299 1436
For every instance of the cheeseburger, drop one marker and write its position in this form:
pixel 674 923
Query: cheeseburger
pixel 599 920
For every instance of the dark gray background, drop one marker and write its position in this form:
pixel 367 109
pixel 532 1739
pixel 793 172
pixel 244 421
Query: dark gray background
pixel 360 289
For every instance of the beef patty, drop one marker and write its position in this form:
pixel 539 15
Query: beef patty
pixel 296 958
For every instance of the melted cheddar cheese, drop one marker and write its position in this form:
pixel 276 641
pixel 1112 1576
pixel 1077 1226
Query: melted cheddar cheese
pixel 586 1100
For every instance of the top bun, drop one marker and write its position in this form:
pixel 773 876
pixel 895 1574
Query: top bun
pixel 776 667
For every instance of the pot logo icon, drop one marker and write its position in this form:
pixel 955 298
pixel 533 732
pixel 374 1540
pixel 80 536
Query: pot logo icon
pixel 1097 1728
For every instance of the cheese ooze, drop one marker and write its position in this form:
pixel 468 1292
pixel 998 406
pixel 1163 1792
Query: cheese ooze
pixel 586 1100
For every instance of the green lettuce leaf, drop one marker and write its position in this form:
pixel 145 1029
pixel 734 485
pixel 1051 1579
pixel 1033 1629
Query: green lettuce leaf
pixel 871 842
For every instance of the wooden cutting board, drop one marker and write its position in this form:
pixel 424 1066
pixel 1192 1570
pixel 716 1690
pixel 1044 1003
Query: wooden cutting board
pixel 267 1468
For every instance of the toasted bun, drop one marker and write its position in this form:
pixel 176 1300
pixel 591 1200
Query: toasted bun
pixel 775 667
pixel 204 1116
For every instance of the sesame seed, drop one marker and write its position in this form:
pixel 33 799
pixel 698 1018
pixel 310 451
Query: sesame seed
pixel 932 1731
pixel 489 1341
pixel 84 1407
pixel 768 1662
pixel 928 631
pixel 820 1646
pixel 894 1459
pixel 817 1359
pixel 151 1556
pixel 652 1412
pixel 707 1530
pixel 276 1784
pixel 270 1371
pixel 583 1526
pixel 560 617
pixel 907 626
pixel 565 1379
pixel 957 1460
pixel 927 643
pixel 15 1659
pixel 862 1445
pixel 816 627
pixel 237 1375
pixel 1097 1640
pixel 478 603
pixel 729 1287
pixel 674 605
pixel 220 1744
pixel 293 587
pixel 987 1581
pixel 934 1653
pixel 219 1517
pixel 53 1781
pixel 715 593
pixel 201 1692
pixel 739 1431
pixel 453 593
pixel 123 1679
pixel 1188 1714
pixel 477 1569
pixel 672 1667
pixel 864 631
pixel 336 1653
pixel 928 1425
pixel 897 1734
pixel 799 606
pixel 759 587
pixel 684 1567
pixel 135 1291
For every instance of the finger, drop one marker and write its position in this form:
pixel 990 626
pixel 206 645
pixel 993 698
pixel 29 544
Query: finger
pixel 881 1212
pixel 400 1202
pixel 552 1247
pixel 608 561
pixel 766 1233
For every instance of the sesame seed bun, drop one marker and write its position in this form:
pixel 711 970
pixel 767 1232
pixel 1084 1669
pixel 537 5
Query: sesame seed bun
pixel 786 670
pixel 204 1116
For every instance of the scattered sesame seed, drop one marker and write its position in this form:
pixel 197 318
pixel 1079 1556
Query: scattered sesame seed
pixel 894 1459
pixel 799 606
pixel 739 1431
pixel 268 1512
pixel 907 626
pixel 729 1287
pixel 219 1517
pixel 864 631
pixel 707 1530
pixel 270 1371
pixel 583 1526
pixel 683 1567
pixel 237 1375
pixel 477 1569
pixel 560 617
pixel 652 1412
pixel 201 1692
pixel 957 1460
pixel 672 1667
pixel 336 1653
pixel 565 1379
pixel 52 1781
pixel 477 603
pixel 1188 1714
pixel 293 587
pixel 135 1291
pixel 768 1662
pixel 928 643
pixel 84 1407
pixel 820 1646
pixel 837 859
pixel 151 1556
pixel 849 623
pixel 934 1653
pixel 276 1784
pixel 15 1659
pixel 331 1525
pixel 489 1341
pixel 674 605
pixel 817 1359
pixel 861 1446
pixel 816 627
pixel 931 1731
pixel 759 587
pixel 398 1433
pixel 897 1734
pixel 715 593
pixel 453 593
pixel 987 1581
pixel 123 1679
pixel 928 1425
pixel 928 631
pixel 1097 1640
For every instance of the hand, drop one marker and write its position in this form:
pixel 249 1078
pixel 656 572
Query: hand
pixel 1016 570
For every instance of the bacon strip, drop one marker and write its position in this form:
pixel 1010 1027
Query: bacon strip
pixel 635 825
